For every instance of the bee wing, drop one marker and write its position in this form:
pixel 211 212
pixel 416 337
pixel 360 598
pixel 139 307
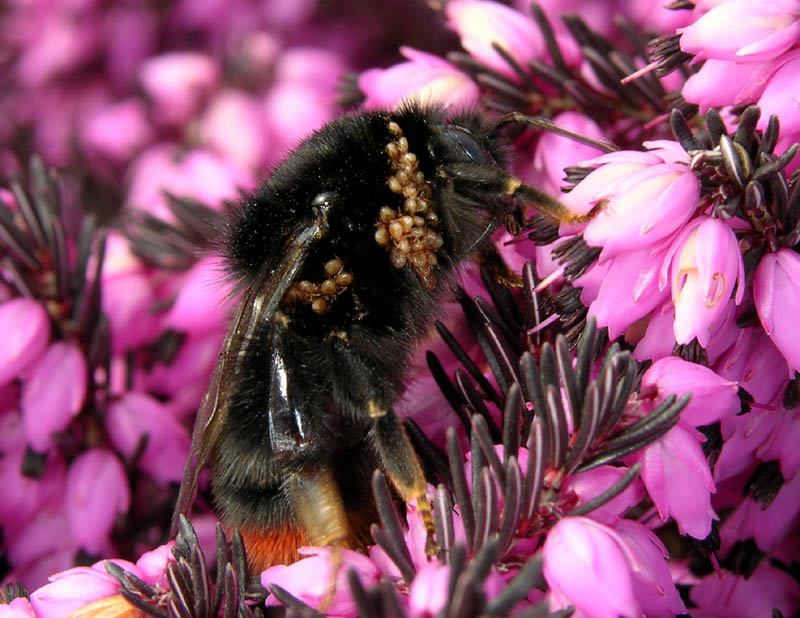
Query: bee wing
pixel 259 303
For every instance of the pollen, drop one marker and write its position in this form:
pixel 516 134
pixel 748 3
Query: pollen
pixel 410 232
pixel 320 296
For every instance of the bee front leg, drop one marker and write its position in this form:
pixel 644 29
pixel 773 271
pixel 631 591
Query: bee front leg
pixel 402 466
pixel 477 181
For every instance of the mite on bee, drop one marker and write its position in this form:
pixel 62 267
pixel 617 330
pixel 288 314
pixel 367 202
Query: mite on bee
pixel 342 256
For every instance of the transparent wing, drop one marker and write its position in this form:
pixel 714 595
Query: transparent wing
pixel 259 303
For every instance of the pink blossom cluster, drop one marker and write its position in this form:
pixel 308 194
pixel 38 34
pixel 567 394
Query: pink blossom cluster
pixel 688 264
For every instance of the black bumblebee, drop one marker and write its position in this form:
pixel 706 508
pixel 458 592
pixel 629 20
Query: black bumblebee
pixel 343 255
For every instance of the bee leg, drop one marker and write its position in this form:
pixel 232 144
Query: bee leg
pixel 490 257
pixel 402 466
pixel 318 506
pixel 548 125
pixel 476 181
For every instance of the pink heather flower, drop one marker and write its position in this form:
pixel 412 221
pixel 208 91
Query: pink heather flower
pixel 184 380
pixel 659 337
pixel 720 82
pixel 27 330
pixel 625 288
pixel 782 443
pixel 26 497
pixel 713 397
pixel 653 586
pixel 127 301
pixel 591 483
pixel 53 393
pixel 555 152
pixel 424 78
pixel 624 182
pixel 310 579
pixel 136 415
pixel 776 292
pixel 153 564
pixel 62 42
pixel 203 301
pixel 18 608
pixel 234 127
pixel 586 565
pixel 705 263
pixel 676 475
pixel 743 437
pixel 178 83
pixel 744 30
pixel 117 133
pixel 756 365
pixel 480 23
pixel 736 596
pixel 41 547
pixel 428 593
pixel 75 588
pixel 769 527
pixel 96 491
pixel 198 174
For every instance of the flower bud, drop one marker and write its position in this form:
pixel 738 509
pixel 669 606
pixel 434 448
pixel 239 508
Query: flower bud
pixel 776 292
pixel 53 393
pixel 26 328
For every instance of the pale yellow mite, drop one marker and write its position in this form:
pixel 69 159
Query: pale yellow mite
pixel 409 235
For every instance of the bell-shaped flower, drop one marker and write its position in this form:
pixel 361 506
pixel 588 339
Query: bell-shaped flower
pixel 428 593
pixel 203 301
pixel 704 264
pixel 424 78
pixel 76 588
pixel 26 328
pixel 720 82
pixel 556 152
pixel 659 337
pixel 743 30
pixel 776 292
pixel 769 526
pixel 780 96
pixel 586 565
pixel 233 125
pixel 312 579
pixel 676 475
pixel 97 490
pixel 178 83
pixel 743 439
pixel 591 483
pixel 756 365
pixel 643 208
pixel 627 288
pixel 135 417
pixel 53 393
pixel 117 132
pixel 653 586
pixel 767 590
pixel 25 497
pixel 480 24
pixel 713 397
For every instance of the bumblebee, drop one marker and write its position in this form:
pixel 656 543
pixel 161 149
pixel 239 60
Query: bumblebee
pixel 343 257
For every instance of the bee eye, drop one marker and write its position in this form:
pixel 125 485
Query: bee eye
pixel 451 141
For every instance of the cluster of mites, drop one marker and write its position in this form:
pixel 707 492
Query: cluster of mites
pixel 321 295
pixel 410 235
